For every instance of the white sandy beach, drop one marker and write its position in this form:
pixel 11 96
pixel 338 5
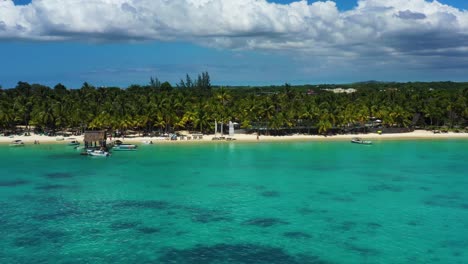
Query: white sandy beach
pixel 417 134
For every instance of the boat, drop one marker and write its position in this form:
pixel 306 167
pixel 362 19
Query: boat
pixel 73 143
pixel 98 153
pixel 147 142
pixel 125 147
pixel 17 143
pixel 120 146
pixel 361 141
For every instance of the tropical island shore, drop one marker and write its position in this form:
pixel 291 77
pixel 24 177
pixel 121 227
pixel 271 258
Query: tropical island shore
pixel 415 135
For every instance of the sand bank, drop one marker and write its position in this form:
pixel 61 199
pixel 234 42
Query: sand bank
pixel 418 134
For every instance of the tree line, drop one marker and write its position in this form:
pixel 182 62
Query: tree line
pixel 194 105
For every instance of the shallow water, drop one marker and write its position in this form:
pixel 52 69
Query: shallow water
pixel 299 202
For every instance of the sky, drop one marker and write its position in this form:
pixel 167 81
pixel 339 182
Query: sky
pixel 239 42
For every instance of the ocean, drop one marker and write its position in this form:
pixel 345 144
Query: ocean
pixel 288 203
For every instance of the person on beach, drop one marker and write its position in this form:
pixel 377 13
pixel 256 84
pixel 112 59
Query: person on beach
pixel 257 136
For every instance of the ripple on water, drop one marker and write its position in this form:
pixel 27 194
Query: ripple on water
pixel 58 214
pixel 270 194
pixel 308 211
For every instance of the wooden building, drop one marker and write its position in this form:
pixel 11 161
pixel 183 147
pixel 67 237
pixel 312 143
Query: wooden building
pixel 95 139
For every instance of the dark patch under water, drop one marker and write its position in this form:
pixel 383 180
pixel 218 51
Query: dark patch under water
pixel 343 199
pixel 270 194
pixel 265 222
pixel 454 200
pixel 209 216
pixel 238 254
pixel 13 183
pixel 347 226
pixel 365 251
pixel 40 237
pixel 373 225
pixel 123 225
pixel 458 244
pixel 148 230
pixel 297 235
pixel 50 187
pixel 146 204
pixel 59 175
pixel 58 215
pixel 385 187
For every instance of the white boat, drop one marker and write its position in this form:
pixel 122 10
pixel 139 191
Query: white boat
pixel 125 147
pixel 361 141
pixel 147 142
pixel 17 143
pixel 98 153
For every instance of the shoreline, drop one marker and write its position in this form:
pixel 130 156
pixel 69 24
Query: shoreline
pixel 415 135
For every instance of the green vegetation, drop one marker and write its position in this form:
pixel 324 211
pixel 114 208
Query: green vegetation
pixel 195 105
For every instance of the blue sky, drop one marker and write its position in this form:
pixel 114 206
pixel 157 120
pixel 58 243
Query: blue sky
pixel 261 44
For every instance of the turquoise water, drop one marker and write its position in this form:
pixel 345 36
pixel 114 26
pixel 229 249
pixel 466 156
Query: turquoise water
pixel 301 202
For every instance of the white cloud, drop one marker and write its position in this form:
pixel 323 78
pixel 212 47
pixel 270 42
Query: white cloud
pixel 389 28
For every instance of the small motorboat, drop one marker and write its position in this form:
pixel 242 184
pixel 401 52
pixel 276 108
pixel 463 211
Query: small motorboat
pixel 98 153
pixel 361 141
pixel 147 142
pixel 120 146
pixel 125 147
pixel 17 143
pixel 73 143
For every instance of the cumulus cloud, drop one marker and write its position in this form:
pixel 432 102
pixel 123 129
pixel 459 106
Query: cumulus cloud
pixel 390 27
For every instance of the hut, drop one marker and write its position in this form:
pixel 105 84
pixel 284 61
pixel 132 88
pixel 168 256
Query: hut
pixel 95 139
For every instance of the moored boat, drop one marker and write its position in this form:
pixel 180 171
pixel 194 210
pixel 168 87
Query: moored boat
pixel 120 146
pixel 125 147
pixel 98 153
pixel 17 143
pixel 73 143
pixel 361 141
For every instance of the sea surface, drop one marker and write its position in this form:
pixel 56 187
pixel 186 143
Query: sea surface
pixel 288 203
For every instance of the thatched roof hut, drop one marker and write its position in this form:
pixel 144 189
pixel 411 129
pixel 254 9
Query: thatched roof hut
pixel 95 136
